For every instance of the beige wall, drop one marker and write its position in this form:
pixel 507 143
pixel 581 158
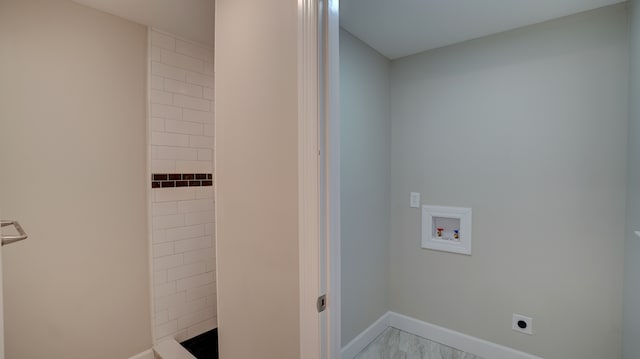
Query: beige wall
pixel 528 128
pixel 365 148
pixel 73 171
pixel 256 178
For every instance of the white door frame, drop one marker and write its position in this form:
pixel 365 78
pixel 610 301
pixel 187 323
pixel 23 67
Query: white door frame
pixel 331 147
pixel 319 177
pixel 308 179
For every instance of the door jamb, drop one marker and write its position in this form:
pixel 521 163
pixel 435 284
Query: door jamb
pixel 308 179
pixel 319 177
pixel 331 66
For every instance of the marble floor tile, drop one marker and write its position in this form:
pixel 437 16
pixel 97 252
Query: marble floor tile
pixel 396 344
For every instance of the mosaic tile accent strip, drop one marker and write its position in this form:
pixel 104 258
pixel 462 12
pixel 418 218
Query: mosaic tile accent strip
pixel 171 180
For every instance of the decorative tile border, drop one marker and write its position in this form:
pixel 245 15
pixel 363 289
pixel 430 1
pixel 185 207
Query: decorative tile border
pixel 169 180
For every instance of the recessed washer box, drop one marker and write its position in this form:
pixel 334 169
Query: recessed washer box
pixel 446 229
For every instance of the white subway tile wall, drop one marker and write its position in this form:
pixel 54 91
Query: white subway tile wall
pixel 181 125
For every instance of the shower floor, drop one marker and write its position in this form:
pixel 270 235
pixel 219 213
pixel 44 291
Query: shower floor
pixel 396 344
pixel 204 346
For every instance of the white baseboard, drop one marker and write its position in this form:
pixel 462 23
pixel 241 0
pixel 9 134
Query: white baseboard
pixel 147 354
pixel 464 342
pixel 363 339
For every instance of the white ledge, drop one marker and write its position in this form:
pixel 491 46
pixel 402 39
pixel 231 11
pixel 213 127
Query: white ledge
pixel 170 349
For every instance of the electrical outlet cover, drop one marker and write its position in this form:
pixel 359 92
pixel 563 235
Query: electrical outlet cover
pixel 414 202
pixel 522 324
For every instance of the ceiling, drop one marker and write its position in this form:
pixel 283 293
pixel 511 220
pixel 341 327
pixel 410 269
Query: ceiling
pixel 191 19
pixel 398 28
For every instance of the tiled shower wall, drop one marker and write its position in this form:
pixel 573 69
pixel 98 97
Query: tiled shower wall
pixel 181 124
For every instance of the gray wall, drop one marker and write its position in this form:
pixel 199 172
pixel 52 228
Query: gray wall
pixel 528 128
pixel 631 328
pixel 365 151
